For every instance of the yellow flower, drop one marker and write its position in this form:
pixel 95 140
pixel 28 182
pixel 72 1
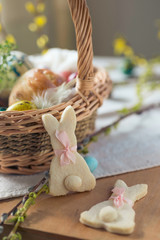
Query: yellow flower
pixel 119 45
pixel 45 51
pixel 40 7
pixel 32 27
pixel 140 61
pixel 45 37
pixel 128 51
pixel 40 21
pixel 0 7
pixel 0 27
pixel 10 38
pixel 42 41
pixel 30 7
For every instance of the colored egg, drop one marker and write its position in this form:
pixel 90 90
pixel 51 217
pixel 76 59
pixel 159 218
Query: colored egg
pixel 2 109
pixel 22 106
pixel 128 67
pixel 91 162
pixel 72 76
pixel 66 74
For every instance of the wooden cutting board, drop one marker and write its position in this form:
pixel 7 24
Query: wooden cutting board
pixel 58 217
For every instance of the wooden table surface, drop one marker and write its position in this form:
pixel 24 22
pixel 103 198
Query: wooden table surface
pixel 58 217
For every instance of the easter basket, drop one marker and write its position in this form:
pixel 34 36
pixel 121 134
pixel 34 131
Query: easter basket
pixel 25 146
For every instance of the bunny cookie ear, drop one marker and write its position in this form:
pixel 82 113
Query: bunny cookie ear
pixel 121 184
pixel 138 191
pixel 69 116
pixel 135 192
pixel 50 123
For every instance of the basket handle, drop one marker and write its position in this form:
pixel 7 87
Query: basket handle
pixel 83 28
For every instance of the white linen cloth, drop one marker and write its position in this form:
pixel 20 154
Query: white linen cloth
pixel 134 145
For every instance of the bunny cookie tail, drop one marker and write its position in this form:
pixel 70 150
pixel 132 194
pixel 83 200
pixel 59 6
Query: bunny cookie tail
pixel 73 183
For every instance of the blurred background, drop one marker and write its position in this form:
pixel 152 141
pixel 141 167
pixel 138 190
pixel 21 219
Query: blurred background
pixel 135 20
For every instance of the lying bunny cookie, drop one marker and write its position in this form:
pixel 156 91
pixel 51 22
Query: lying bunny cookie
pixel 69 171
pixel 116 215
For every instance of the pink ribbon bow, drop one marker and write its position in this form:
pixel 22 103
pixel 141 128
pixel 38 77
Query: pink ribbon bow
pixel 67 154
pixel 119 199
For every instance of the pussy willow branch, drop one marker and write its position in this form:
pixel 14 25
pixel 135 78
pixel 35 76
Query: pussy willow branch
pixel 21 213
pixel 139 111
pixel 83 147
pixel 24 199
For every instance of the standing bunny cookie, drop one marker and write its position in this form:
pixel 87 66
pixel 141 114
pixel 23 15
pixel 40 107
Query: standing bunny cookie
pixel 68 171
pixel 116 215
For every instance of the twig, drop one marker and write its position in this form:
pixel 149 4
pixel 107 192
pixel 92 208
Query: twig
pixel 21 213
pixel 83 146
pixel 139 111
pixel 5 216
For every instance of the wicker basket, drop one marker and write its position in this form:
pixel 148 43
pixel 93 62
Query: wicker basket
pixel 24 144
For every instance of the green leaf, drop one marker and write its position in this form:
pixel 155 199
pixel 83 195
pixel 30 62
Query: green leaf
pixel 116 125
pixel 94 139
pixel 12 220
pixel 108 131
pixel 124 111
pixel 136 107
pixel 85 150
pixel 16 236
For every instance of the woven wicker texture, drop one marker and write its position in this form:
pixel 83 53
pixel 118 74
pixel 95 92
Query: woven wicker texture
pixel 25 146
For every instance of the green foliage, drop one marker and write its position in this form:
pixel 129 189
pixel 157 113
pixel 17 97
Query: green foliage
pixel 124 111
pixel 6 79
pixel 136 107
pixel 12 220
pixel 108 131
pixel 20 214
pixel 85 150
pixel 116 125
pixel 15 236
pixel 94 139
pixel 147 82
